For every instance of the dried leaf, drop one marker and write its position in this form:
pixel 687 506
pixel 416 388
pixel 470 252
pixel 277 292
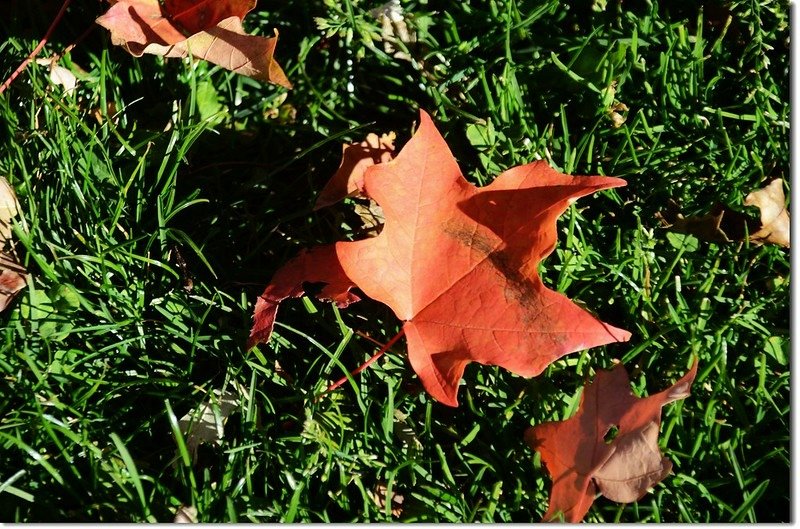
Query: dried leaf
pixel 209 29
pixel 356 158
pixel 774 216
pixel 206 424
pixel 12 280
pixel 59 75
pixel 378 495
pixel 457 264
pixel 371 215
pixel 185 514
pixel 13 276
pixel 580 461
pixel 9 208
pixel 723 224
pixel 615 113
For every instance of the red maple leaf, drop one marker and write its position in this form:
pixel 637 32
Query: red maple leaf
pixel 457 264
pixel 579 460
pixel 205 29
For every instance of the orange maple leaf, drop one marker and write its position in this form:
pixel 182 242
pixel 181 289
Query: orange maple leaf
pixel 457 264
pixel 580 461
pixel 205 29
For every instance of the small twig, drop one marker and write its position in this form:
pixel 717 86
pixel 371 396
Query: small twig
pixel 368 337
pixel 363 366
pixel 38 48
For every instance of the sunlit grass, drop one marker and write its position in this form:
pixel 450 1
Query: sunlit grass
pixel 116 337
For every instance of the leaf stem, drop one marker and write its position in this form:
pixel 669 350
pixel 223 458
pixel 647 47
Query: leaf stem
pixel 365 365
pixel 38 48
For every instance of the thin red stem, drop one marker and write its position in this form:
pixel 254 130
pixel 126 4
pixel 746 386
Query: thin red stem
pixel 365 365
pixel 38 48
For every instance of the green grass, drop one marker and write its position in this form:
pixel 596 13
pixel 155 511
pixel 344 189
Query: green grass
pixel 106 349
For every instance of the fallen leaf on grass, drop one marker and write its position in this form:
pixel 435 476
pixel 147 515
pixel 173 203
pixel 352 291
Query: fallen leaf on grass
pixel 615 113
pixel 185 514
pixel 774 216
pixel 12 274
pixel 206 424
pixel 356 159
pixel 378 495
pixel 723 224
pixel 59 75
pixel 457 263
pixel 205 29
pixel 581 462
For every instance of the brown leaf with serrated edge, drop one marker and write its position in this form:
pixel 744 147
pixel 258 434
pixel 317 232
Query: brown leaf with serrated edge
pixel 204 29
pixel 580 461
pixel 457 264
pixel 774 216
pixel 356 158
pixel 719 225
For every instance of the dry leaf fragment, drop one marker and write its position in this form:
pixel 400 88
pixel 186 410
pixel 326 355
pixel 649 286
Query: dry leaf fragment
pixel 580 461
pixel 723 224
pixel 206 424
pixel 774 216
pixel 9 208
pixel 12 274
pixel 185 514
pixel 12 280
pixel 356 158
pixel 378 495
pixel 615 113
pixel 59 75
pixel 371 215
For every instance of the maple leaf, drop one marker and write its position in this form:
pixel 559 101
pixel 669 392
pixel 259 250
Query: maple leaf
pixel 204 29
pixel 457 264
pixel 580 462
pixel 356 159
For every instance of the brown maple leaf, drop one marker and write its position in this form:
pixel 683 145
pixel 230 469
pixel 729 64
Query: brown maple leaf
pixel 579 460
pixel 458 264
pixel 204 29
pixel 356 159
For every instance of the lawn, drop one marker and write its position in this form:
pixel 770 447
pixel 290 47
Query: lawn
pixel 158 198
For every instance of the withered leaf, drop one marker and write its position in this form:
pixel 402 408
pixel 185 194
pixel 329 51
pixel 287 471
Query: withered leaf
pixel 12 274
pixel 580 461
pixel 204 29
pixel 774 216
pixel 723 224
